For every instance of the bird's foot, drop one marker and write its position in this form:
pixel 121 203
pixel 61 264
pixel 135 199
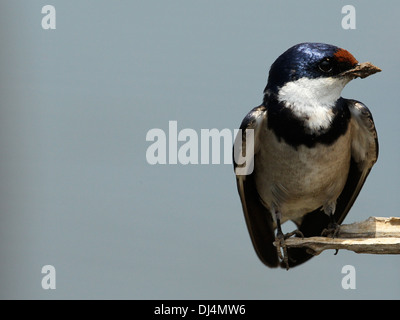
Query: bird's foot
pixel 281 247
pixel 332 231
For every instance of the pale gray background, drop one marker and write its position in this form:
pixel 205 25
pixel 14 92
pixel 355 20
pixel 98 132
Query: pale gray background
pixel 76 103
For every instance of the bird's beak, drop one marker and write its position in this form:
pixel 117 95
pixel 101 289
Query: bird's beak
pixel 361 70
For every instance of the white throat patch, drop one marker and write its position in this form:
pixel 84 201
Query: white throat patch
pixel 313 100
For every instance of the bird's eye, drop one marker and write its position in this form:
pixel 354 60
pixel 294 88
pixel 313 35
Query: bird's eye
pixel 325 66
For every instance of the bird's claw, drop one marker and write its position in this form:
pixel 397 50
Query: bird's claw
pixel 333 230
pixel 281 247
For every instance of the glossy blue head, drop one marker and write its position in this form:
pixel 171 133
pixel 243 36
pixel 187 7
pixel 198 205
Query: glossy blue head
pixel 310 60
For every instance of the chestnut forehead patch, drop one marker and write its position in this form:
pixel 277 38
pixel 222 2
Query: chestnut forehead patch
pixel 343 55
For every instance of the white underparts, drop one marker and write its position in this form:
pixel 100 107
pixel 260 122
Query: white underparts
pixel 313 100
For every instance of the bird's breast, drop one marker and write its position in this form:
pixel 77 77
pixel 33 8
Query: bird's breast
pixel 295 181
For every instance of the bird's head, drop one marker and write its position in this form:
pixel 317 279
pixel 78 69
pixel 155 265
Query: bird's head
pixel 314 72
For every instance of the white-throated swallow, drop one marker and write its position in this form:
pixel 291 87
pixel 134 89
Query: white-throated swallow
pixel 313 150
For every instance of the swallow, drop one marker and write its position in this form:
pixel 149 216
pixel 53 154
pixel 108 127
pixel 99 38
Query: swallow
pixel 312 150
